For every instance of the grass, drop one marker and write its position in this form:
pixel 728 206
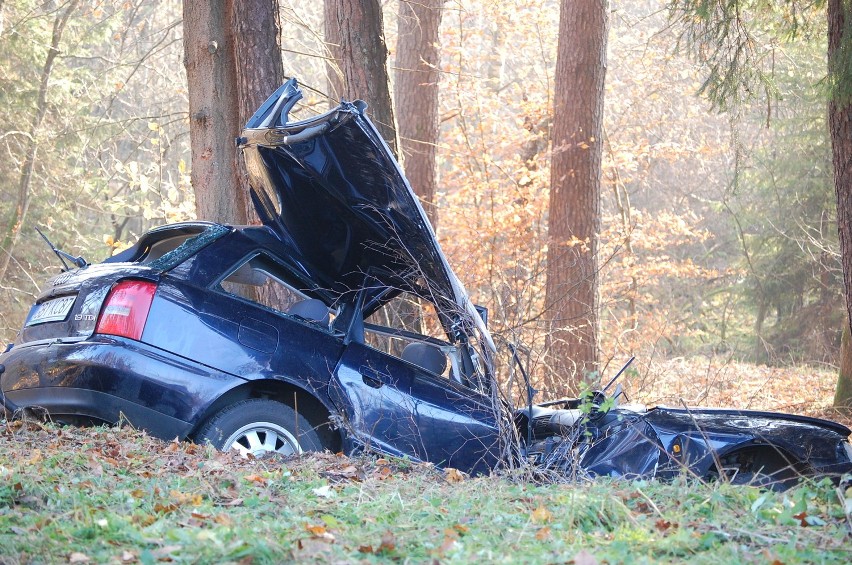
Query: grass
pixel 119 496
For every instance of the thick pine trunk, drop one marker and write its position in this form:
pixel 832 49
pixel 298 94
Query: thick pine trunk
pixel 416 95
pixel 574 215
pixel 840 129
pixel 354 32
pixel 259 67
pixel 213 110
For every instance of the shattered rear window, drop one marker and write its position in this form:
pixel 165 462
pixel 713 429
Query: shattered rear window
pixel 188 248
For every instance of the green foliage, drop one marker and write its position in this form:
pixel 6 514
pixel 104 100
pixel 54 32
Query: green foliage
pixel 111 151
pixel 740 41
pixel 783 207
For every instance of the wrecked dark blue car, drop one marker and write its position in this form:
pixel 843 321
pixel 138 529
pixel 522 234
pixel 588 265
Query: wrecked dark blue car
pixel 338 324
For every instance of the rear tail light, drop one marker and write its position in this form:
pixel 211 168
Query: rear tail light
pixel 126 309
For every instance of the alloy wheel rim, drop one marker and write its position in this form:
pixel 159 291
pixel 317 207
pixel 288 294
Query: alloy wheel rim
pixel 262 438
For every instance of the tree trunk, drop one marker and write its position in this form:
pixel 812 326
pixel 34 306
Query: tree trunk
pixel 354 32
pixel 571 295
pixel 840 129
pixel 843 392
pixel 416 95
pixel 19 213
pixel 259 67
pixel 213 110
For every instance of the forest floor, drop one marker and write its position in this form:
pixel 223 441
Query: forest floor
pixel 719 382
pixel 107 495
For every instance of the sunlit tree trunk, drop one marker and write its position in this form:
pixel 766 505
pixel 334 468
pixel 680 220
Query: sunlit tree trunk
pixel 19 212
pixel 213 110
pixel 843 392
pixel 233 62
pixel 260 70
pixel 416 94
pixel 840 129
pixel 571 297
pixel 354 32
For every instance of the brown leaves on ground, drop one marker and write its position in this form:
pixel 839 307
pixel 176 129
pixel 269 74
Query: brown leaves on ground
pixel 722 382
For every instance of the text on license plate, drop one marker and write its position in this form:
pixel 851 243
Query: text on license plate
pixel 52 310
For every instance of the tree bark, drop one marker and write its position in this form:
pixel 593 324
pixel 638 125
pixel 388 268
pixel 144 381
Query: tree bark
pixel 19 213
pixel 354 32
pixel 571 295
pixel 840 130
pixel 259 67
pixel 416 95
pixel 213 110
pixel 843 392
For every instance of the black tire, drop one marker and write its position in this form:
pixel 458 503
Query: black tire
pixel 260 426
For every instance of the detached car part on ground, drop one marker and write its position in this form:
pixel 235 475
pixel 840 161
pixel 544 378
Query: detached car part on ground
pixel 292 336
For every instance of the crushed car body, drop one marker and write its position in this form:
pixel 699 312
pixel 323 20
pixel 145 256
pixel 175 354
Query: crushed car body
pixel 339 324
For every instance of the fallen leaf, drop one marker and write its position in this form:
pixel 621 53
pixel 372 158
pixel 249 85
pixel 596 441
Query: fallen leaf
pixel 662 525
pixel 315 529
pixel 541 515
pixel 257 479
pixel 78 557
pixel 223 520
pixel 348 471
pixel 453 475
pixel 543 534
pixel 35 457
pixel 388 543
pixel 165 508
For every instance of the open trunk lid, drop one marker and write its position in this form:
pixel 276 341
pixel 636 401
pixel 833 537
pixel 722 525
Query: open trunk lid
pixel 333 192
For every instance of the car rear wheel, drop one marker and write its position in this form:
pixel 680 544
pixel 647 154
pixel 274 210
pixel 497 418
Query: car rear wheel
pixel 259 427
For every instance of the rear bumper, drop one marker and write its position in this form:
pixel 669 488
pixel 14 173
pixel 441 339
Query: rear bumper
pixel 112 379
pixel 69 405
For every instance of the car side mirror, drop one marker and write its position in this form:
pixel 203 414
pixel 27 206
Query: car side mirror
pixel 483 313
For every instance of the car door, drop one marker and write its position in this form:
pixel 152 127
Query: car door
pixel 403 409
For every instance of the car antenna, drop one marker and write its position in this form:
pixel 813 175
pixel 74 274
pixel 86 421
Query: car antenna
pixel 78 261
pixel 618 374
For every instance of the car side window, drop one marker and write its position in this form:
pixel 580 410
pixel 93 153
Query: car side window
pixel 262 280
pixel 408 327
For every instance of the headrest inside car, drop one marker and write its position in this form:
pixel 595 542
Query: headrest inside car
pixel 426 356
pixel 311 309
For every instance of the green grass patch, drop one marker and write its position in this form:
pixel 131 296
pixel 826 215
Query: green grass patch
pixel 109 495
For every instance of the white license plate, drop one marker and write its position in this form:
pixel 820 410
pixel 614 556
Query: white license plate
pixel 52 310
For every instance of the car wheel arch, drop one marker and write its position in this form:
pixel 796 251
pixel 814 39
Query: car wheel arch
pixel 320 415
pixel 764 460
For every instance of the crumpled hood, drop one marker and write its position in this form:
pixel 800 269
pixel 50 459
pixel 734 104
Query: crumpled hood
pixel 332 190
pixel 722 420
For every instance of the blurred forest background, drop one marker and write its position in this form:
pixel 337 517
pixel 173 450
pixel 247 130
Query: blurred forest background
pixel 719 263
